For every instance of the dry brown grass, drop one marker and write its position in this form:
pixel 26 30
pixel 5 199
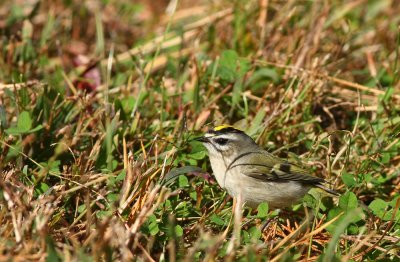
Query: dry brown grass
pixel 319 79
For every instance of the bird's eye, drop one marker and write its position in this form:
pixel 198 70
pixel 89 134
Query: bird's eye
pixel 221 141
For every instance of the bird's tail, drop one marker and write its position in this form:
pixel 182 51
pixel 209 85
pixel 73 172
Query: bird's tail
pixel 330 191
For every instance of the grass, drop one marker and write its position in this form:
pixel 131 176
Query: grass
pixel 100 102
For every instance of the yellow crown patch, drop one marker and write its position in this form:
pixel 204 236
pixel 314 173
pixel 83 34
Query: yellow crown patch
pixel 221 127
pixel 225 128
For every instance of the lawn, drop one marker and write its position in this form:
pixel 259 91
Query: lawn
pixel 100 103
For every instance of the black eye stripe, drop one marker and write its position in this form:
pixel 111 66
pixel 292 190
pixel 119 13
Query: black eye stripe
pixel 221 141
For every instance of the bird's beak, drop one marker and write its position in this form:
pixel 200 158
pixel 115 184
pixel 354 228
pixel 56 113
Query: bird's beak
pixel 202 139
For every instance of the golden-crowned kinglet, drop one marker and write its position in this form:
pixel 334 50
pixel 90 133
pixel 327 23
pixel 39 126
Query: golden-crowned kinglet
pixel 247 170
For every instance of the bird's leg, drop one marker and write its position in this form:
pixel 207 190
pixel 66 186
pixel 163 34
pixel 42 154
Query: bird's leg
pixel 237 210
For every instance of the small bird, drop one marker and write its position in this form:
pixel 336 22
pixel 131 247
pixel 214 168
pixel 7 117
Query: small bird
pixel 245 169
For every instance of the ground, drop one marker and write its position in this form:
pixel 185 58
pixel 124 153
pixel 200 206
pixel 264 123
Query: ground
pixel 100 102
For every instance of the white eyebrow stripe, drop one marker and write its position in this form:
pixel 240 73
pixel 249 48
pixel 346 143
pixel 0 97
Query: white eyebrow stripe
pixel 229 137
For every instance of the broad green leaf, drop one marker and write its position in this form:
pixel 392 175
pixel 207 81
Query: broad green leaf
pixel 24 125
pixel 378 207
pixel 349 204
pixel 121 176
pixel 41 188
pixel 352 229
pixel 24 122
pixel 348 179
pixel 260 78
pixel 262 210
pixel 178 231
pixel 348 201
pixel 255 233
pixel 25 170
pixel 217 220
pixel 81 208
pixel 183 181
pixel 198 155
pixel 153 228
pixel 227 65
pixel 112 197
pixel 232 67
pixel 385 158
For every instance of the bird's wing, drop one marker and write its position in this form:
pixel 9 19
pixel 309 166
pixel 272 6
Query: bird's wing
pixel 266 167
